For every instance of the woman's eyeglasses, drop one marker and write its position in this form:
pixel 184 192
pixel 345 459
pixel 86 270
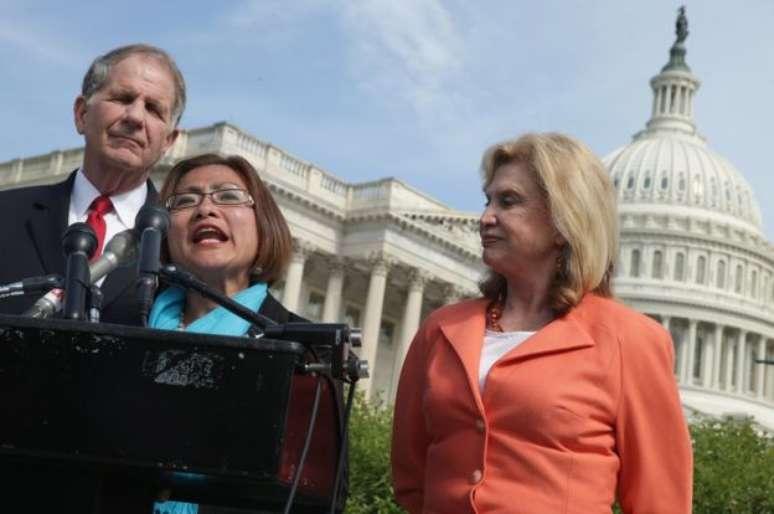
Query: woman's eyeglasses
pixel 191 199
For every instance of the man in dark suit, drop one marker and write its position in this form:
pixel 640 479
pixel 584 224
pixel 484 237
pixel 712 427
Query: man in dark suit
pixel 128 111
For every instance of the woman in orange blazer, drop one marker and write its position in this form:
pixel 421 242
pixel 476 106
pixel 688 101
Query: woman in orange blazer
pixel 545 396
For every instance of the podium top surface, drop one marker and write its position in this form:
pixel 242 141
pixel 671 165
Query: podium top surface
pixel 149 335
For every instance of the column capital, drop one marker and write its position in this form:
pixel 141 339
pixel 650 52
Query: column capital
pixel 302 249
pixel 380 263
pixel 453 293
pixel 337 264
pixel 418 279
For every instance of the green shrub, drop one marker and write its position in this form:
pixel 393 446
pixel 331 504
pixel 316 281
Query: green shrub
pixel 733 468
pixel 733 465
pixel 370 431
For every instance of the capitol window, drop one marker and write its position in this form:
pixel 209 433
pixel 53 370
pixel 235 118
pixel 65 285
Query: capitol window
pixel 754 284
pixel 680 267
pixel 664 182
pixel 352 316
pixel 738 279
pixel 314 305
pixel 658 264
pixel 635 264
pixel 721 278
pixel 701 265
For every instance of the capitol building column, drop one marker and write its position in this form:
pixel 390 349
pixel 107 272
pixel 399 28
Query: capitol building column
pixel 373 315
pixel 682 359
pixel 333 290
pixel 411 316
pixel 729 371
pixel 708 356
pixel 761 370
pixel 769 380
pixel 741 345
pixel 295 275
pixel 665 322
pixel 691 360
pixel 718 353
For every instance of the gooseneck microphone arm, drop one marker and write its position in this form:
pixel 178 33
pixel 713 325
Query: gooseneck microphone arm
pixel 79 243
pixel 31 285
pixel 151 223
pixel 339 337
pixel 186 280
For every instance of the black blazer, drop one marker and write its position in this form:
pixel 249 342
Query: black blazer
pixel 33 221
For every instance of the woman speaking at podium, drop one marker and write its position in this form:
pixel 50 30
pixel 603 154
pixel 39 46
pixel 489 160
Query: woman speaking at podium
pixel 226 229
pixel 546 395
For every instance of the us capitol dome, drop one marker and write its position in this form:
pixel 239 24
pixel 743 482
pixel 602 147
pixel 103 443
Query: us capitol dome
pixel 693 254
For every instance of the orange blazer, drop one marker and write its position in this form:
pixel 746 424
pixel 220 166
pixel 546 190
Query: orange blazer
pixel 585 408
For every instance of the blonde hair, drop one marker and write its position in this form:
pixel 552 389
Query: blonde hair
pixel 581 200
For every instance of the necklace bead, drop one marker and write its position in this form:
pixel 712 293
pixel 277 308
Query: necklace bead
pixel 494 312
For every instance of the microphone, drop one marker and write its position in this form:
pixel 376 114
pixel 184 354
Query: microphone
pixel 30 285
pixel 151 223
pixel 79 243
pixel 120 250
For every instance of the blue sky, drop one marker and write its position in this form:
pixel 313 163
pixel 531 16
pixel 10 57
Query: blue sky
pixel 414 89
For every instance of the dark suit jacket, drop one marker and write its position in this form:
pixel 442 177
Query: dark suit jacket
pixel 33 220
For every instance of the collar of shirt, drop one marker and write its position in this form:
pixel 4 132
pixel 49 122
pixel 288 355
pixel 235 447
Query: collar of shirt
pixel 125 205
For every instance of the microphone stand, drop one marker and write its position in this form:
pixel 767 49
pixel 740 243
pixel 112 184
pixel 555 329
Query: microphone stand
pixel 186 280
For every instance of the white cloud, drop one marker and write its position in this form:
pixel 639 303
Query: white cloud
pixel 409 48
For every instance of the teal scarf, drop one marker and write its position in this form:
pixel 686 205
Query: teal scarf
pixel 167 312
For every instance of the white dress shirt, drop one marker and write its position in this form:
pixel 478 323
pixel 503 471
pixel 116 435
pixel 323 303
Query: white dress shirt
pixel 125 206
pixel 497 344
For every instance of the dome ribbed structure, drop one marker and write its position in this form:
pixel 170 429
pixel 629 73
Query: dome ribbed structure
pixel 668 165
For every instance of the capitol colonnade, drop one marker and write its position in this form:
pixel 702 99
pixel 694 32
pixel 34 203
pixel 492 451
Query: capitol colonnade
pixel 386 298
pixel 711 286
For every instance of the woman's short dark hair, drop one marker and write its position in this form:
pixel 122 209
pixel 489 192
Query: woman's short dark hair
pixel 274 243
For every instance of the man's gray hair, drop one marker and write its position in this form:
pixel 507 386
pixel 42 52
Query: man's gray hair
pixel 97 74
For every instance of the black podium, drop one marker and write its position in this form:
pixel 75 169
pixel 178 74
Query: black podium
pixel 108 418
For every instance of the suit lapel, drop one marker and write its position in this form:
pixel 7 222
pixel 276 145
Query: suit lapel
pixel 123 277
pixel 561 335
pixel 464 327
pixel 47 222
